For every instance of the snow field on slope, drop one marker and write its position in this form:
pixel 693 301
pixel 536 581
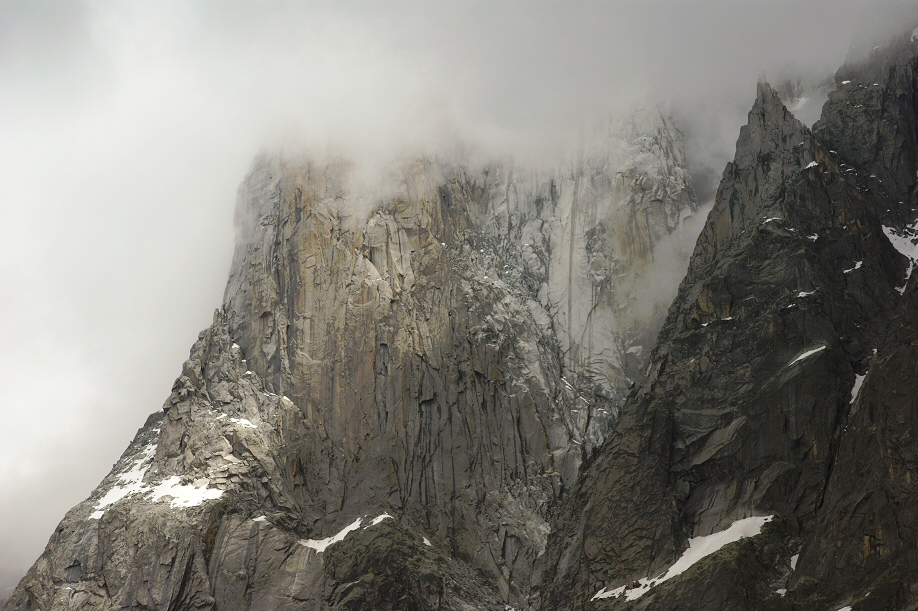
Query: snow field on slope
pixel 699 548
pixel 320 545
pixel 131 483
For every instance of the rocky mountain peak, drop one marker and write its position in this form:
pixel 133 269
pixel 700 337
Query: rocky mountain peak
pixel 738 415
pixel 772 145
pixel 417 363
pixel 869 121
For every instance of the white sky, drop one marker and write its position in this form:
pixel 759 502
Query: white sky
pixel 126 127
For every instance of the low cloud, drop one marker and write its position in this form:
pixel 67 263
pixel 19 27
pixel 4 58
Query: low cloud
pixel 128 126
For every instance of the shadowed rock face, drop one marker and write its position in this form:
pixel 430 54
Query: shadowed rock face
pixel 871 121
pixel 445 354
pixel 862 549
pixel 864 540
pixel 789 289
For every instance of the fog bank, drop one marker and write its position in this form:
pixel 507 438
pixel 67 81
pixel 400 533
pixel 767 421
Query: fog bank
pixel 127 127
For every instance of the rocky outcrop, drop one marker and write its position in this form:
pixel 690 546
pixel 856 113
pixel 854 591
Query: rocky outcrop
pixel 400 385
pixel 871 124
pixel 863 544
pixel 789 289
pixel 208 508
pixel 424 365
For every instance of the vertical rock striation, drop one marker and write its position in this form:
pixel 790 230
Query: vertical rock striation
pixel 397 390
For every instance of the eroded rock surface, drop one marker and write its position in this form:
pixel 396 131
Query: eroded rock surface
pixel 789 289
pixel 757 401
pixel 397 390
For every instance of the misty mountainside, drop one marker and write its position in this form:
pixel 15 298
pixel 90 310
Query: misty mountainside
pixel 441 394
pixel 767 460
pixel 400 386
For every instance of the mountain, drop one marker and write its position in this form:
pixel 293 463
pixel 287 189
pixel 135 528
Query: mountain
pixel 403 380
pixel 751 443
pixel 432 389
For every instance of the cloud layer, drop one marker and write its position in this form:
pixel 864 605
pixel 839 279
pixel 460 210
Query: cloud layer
pixel 128 126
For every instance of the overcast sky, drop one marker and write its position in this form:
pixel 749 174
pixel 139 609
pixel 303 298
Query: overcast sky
pixel 126 127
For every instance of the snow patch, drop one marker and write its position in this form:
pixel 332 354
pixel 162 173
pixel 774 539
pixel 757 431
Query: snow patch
pixel 781 591
pixel 807 354
pixel 320 545
pixel 858 380
pixel 426 541
pixel 813 237
pixel 261 518
pixel 793 561
pixel 184 495
pixel 906 242
pixel 610 594
pixel 846 82
pixel 243 423
pixel 857 265
pixel 379 519
pixel 699 548
pixel 130 482
pixel 812 164
pixel 805 293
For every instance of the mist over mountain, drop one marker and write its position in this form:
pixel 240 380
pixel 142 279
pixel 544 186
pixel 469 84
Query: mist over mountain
pixel 552 165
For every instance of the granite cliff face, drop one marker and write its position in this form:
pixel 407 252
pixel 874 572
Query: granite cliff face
pixel 748 408
pixel 397 390
pixel 422 396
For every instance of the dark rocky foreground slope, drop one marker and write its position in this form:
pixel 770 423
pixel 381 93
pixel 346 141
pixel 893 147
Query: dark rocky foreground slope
pixel 752 405
pixel 395 393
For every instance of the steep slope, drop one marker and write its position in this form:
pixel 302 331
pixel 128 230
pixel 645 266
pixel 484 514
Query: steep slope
pixel 864 545
pixel 394 393
pixel 788 291
pixel 203 511
pixel 871 122
pixel 862 551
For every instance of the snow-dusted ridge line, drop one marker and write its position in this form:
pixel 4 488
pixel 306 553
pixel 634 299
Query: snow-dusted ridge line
pixel 131 483
pixel 320 545
pixel 698 549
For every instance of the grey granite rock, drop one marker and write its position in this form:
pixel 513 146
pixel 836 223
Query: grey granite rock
pixel 400 385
